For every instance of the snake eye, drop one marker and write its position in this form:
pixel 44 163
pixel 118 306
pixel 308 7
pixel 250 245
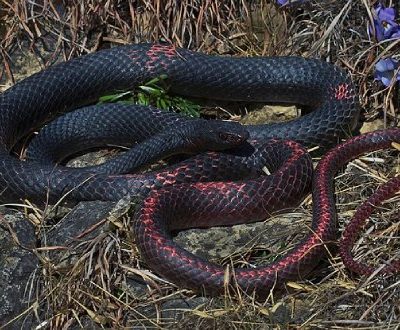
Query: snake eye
pixel 230 138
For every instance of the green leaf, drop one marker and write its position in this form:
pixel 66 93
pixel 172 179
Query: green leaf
pixel 114 97
pixel 153 93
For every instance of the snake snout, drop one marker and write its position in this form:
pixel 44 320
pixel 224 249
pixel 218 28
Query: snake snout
pixel 217 135
pixel 232 138
pixel 229 134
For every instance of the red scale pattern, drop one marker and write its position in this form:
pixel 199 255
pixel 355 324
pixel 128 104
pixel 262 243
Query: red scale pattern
pixel 386 191
pixel 343 92
pixel 156 54
pixel 227 203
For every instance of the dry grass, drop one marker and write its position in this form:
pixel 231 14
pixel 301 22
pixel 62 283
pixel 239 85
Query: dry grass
pixel 106 282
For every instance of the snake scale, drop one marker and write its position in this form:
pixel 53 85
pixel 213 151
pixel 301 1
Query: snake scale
pixel 221 187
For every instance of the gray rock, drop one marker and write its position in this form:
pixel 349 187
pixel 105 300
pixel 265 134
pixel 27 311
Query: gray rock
pixel 17 270
pixel 84 216
pixel 221 242
pixel 85 221
pixel 173 310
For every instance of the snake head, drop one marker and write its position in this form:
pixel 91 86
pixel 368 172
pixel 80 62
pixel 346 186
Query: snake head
pixel 216 135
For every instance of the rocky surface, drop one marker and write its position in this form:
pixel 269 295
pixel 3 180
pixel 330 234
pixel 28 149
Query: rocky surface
pixel 222 242
pixel 18 268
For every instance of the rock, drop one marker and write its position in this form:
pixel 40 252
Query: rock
pixel 84 222
pixel 170 312
pixel 79 220
pixel 135 287
pixel 285 314
pixel 222 242
pixel 173 310
pixel 371 126
pixel 17 269
pixel 270 114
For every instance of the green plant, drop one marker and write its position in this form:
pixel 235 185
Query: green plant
pixel 154 93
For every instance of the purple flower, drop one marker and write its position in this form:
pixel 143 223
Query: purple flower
pixel 385 23
pixel 386 69
pixel 289 2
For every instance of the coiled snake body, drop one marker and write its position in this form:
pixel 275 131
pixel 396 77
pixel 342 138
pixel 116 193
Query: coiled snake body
pixel 177 204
